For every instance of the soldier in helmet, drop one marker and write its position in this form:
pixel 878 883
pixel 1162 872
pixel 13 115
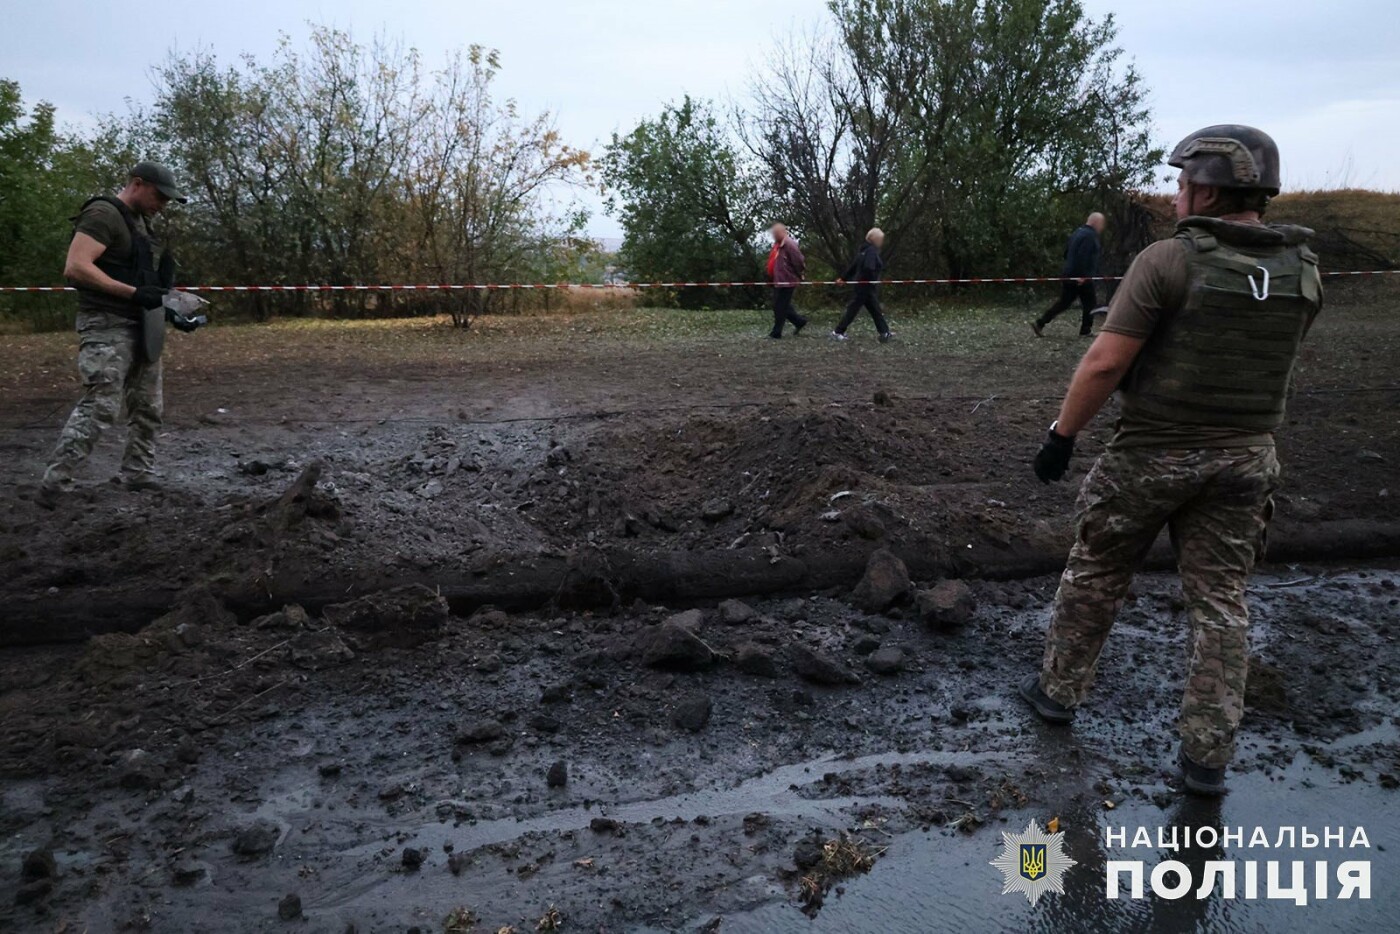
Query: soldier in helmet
pixel 121 274
pixel 1200 343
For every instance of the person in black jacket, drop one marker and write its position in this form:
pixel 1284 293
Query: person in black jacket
pixel 1081 266
pixel 865 274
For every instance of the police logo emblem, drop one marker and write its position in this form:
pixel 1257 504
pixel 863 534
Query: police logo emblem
pixel 1033 862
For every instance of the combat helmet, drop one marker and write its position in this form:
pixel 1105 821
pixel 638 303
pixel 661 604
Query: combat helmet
pixel 1229 155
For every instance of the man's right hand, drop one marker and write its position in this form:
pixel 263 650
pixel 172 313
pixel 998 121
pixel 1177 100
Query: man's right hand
pixel 1052 461
pixel 148 296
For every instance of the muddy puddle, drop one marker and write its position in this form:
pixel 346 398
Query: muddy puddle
pixel 388 788
pixel 937 882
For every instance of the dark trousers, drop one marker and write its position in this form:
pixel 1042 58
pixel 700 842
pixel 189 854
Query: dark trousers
pixel 1069 291
pixel 869 299
pixel 783 311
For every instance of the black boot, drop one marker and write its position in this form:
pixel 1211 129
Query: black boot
pixel 1198 778
pixel 1050 710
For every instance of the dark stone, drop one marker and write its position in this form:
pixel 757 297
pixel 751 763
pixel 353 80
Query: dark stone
pixel 457 862
pixel 737 612
pixel 558 775
pixel 692 713
pixel 818 668
pixel 257 839
pixel 289 908
pixel 948 604
pixel 330 769
pixel 481 731
pixel 391 792
pixel 885 583
pixel 39 864
pixel 412 858
pixel 887 660
pixel 754 659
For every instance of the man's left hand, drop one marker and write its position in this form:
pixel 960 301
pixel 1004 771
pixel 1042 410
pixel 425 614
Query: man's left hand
pixel 1053 460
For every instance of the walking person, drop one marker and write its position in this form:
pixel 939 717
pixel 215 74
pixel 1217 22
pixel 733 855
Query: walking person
pixel 786 264
pixel 864 272
pixel 121 274
pixel 1080 267
pixel 1201 343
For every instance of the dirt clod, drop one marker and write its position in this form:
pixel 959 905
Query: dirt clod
pixel 289 908
pixel 39 864
pixel 946 605
pixel 819 668
pixel 692 713
pixel 885 583
pixel 673 646
pixel 403 616
pixel 256 839
pixel 558 774
pixel 736 612
pixel 31 892
pixel 752 658
pixel 887 660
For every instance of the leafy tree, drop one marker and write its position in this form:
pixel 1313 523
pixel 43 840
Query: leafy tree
pixel 973 131
pixel 691 204
pixel 346 164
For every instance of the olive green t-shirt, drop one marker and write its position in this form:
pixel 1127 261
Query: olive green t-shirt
pixel 103 222
pixel 1157 284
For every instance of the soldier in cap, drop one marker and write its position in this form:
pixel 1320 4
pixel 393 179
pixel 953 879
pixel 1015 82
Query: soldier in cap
pixel 1200 342
pixel 121 274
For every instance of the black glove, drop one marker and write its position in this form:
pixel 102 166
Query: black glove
pixel 1053 459
pixel 149 296
pixel 184 322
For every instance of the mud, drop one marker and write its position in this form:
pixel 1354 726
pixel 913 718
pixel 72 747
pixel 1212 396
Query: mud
pixel 144 762
pixel 443 646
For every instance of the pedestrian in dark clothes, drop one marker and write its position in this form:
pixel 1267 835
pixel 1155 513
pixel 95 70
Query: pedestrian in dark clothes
pixel 1081 266
pixel 786 265
pixel 864 272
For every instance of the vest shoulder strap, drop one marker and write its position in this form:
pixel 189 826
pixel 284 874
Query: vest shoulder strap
pixel 127 217
pixel 1199 239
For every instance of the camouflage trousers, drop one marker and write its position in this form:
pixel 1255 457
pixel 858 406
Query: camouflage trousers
pixel 114 374
pixel 1216 503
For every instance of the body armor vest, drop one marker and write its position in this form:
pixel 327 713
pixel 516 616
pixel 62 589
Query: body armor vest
pixel 137 267
pixel 1226 357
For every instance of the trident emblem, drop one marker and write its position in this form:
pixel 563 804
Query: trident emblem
pixel 1032 860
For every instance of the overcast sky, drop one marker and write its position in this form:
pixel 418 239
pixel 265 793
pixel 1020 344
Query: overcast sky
pixel 1322 77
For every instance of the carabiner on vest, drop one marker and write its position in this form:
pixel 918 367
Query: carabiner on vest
pixel 1260 292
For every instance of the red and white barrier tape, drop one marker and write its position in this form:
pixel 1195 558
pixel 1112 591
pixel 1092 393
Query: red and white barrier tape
pixel 500 286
